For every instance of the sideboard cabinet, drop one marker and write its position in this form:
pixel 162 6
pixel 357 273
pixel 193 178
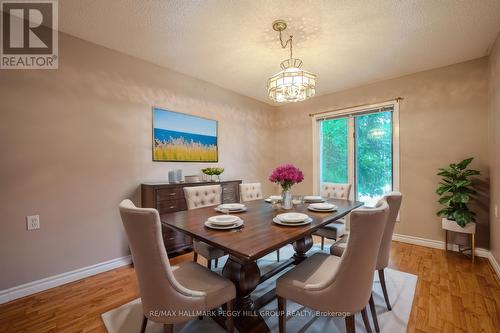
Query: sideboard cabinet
pixel 168 198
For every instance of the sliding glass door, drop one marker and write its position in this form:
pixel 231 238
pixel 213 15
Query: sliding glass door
pixel 358 148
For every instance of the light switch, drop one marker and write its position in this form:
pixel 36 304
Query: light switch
pixel 33 222
pixel 496 211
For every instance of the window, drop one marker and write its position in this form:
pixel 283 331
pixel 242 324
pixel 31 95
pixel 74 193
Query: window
pixel 360 147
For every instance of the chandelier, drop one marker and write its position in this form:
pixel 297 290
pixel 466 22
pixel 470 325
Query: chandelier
pixel 291 84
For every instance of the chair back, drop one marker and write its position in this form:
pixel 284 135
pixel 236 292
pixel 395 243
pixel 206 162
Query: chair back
pixel 335 191
pixel 393 199
pixel 250 191
pixel 158 287
pixel 202 196
pixel 352 282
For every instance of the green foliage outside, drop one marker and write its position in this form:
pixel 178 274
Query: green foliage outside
pixel 373 152
pixel 456 190
pixel 334 162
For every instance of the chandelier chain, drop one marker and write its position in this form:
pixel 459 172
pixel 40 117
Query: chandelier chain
pixel 284 45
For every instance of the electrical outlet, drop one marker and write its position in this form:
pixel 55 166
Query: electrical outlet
pixel 33 222
pixel 496 211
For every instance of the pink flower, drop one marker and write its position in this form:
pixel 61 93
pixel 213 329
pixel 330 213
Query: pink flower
pixel 286 175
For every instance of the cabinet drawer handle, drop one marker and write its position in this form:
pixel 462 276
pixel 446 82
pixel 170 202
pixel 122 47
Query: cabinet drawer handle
pixel 172 206
pixel 173 193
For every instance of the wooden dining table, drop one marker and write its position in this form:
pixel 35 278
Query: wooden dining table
pixel 258 237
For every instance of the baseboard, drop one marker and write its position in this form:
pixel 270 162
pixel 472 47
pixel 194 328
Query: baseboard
pixel 30 288
pixel 435 244
pixel 480 252
pixel 494 264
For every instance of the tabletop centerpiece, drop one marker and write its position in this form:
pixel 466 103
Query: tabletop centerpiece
pixel 216 171
pixel 286 175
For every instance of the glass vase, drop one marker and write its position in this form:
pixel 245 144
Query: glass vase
pixel 286 199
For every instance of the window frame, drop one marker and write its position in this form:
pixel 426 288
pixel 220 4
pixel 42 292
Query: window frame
pixel 350 113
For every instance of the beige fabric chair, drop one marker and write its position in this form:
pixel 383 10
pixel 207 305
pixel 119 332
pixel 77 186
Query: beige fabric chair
pixel 393 199
pixel 164 289
pixel 198 197
pixel 336 229
pixel 250 191
pixel 330 284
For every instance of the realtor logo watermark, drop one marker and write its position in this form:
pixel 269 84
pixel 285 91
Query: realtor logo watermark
pixel 29 35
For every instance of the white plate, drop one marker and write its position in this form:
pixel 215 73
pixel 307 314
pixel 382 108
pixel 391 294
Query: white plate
pixel 238 224
pixel 277 221
pixel 232 206
pixel 313 198
pixel 292 217
pixel 217 209
pixel 322 210
pixel 275 197
pixel 322 206
pixel 223 219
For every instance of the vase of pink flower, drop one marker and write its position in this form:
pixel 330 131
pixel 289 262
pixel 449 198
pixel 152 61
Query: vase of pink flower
pixel 286 175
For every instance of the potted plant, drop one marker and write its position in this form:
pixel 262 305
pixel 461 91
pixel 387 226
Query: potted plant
pixel 456 191
pixel 286 175
pixel 213 172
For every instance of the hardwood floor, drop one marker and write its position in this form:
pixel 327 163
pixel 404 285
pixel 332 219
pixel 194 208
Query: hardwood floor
pixel 452 295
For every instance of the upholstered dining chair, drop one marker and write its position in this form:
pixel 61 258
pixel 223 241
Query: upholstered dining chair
pixel 198 197
pixel 187 288
pixel 336 229
pixel 250 192
pixel 393 199
pixel 331 284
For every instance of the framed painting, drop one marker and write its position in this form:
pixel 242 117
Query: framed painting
pixel 179 137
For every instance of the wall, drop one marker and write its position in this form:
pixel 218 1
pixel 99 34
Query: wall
pixel 443 119
pixel 494 144
pixel 76 141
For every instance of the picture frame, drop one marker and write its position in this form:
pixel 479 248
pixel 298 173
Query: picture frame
pixel 181 137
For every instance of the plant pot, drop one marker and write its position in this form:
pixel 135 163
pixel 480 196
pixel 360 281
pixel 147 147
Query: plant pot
pixel 450 225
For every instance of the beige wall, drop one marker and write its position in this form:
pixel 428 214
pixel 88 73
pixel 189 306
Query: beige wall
pixel 494 145
pixel 443 118
pixel 76 141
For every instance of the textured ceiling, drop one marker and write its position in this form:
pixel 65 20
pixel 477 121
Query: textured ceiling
pixel 231 43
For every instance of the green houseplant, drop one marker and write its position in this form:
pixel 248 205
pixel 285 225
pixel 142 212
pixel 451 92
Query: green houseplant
pixel 213 172
pixel 456 191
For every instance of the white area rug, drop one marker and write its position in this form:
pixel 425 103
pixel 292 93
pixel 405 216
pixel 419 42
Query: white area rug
pixel 401 288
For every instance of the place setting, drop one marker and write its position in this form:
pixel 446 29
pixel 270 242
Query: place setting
pixel 292 219
pixel 322 207
pixel 313 198
pixel 231 208
pixel 273 198
pixel 224 222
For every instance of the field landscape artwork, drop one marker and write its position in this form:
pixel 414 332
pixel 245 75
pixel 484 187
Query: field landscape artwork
pixel 179 137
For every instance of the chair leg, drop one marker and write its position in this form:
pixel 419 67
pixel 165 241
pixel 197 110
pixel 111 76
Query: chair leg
pixel 350 327
pixel 278 255
pixel 229 323
pixel 144 324
pixel 384 288
pixel 322 243
pixel 282 314
pixel 374 314
pixel 368 327
pixel 209 263
pixel 216 262
pixel 168 328
pixel 195 257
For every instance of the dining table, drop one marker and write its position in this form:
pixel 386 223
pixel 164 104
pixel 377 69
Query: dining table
pixel 257 237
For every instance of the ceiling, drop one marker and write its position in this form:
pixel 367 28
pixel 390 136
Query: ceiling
pixel 231 43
